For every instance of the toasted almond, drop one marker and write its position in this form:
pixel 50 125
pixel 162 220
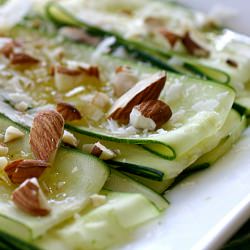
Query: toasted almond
pixel 193 47
pixel 170 36
pixel 150 115
pixel 45 134
pixel 12 133
pixel 22 59
pixel 79 35
pixel 147 89
pixel 20 170
pixel 232 63
pixel 68 111
pixel 29 198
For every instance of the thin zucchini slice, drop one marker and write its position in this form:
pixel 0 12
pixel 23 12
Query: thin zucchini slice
pixel 72 179
pixel 118 182
pixel 214 147
pixel 195 115
pixel 239 125
pixel 228 61
pixel 61 16
pixel 109 223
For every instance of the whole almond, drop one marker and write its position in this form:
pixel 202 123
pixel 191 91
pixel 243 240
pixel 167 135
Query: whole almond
pixel 45 134
pixel 147 89
pixel 29 198
pixel 68 111
pixel 156 110
pixel 20 170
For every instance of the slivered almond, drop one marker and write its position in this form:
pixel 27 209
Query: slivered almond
pixel 145 90
pixel 170 36
pixel 68 111
pixel 22 59
pixel 150 115
pixel 20 170
pixel 193 47
pixel 30 198
pixel 45 134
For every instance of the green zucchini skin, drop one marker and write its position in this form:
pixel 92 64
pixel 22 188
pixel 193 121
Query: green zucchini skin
pixel 119 182
pixel 10 242
pixel 144 52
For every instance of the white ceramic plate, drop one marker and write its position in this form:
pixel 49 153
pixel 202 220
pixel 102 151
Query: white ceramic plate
pixel 209 207
pixel 206 208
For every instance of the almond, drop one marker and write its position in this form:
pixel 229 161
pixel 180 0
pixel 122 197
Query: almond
pixel 45 134
pixel 69 139
pixel 100 151
pixel 193 47
pixel 29 198
pixel 12 133
pixel 68 71
pixel 150 115
pixel 147 89
pixel 68 111
pixel 91 70
pixel 20 170
pixel 9 47
pixel 123 80
pixel 170 36
pixel 22 59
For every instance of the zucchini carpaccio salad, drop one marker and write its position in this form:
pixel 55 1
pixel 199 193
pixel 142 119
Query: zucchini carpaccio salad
pixel 90 142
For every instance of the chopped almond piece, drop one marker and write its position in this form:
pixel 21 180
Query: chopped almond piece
pixel 22 59
pixel 68 111
pixel 170 36
pixel 150 115
pixel 193 47
pixel 30 198
pixel 12 134
pixel 20 170
pixel 145 90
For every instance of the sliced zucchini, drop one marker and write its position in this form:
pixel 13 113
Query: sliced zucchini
pixel 195 115
pixel 72 179
pixel 239 125
pixel 109 223
pixel 154 55
pixel 215 146
pixel 118 182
